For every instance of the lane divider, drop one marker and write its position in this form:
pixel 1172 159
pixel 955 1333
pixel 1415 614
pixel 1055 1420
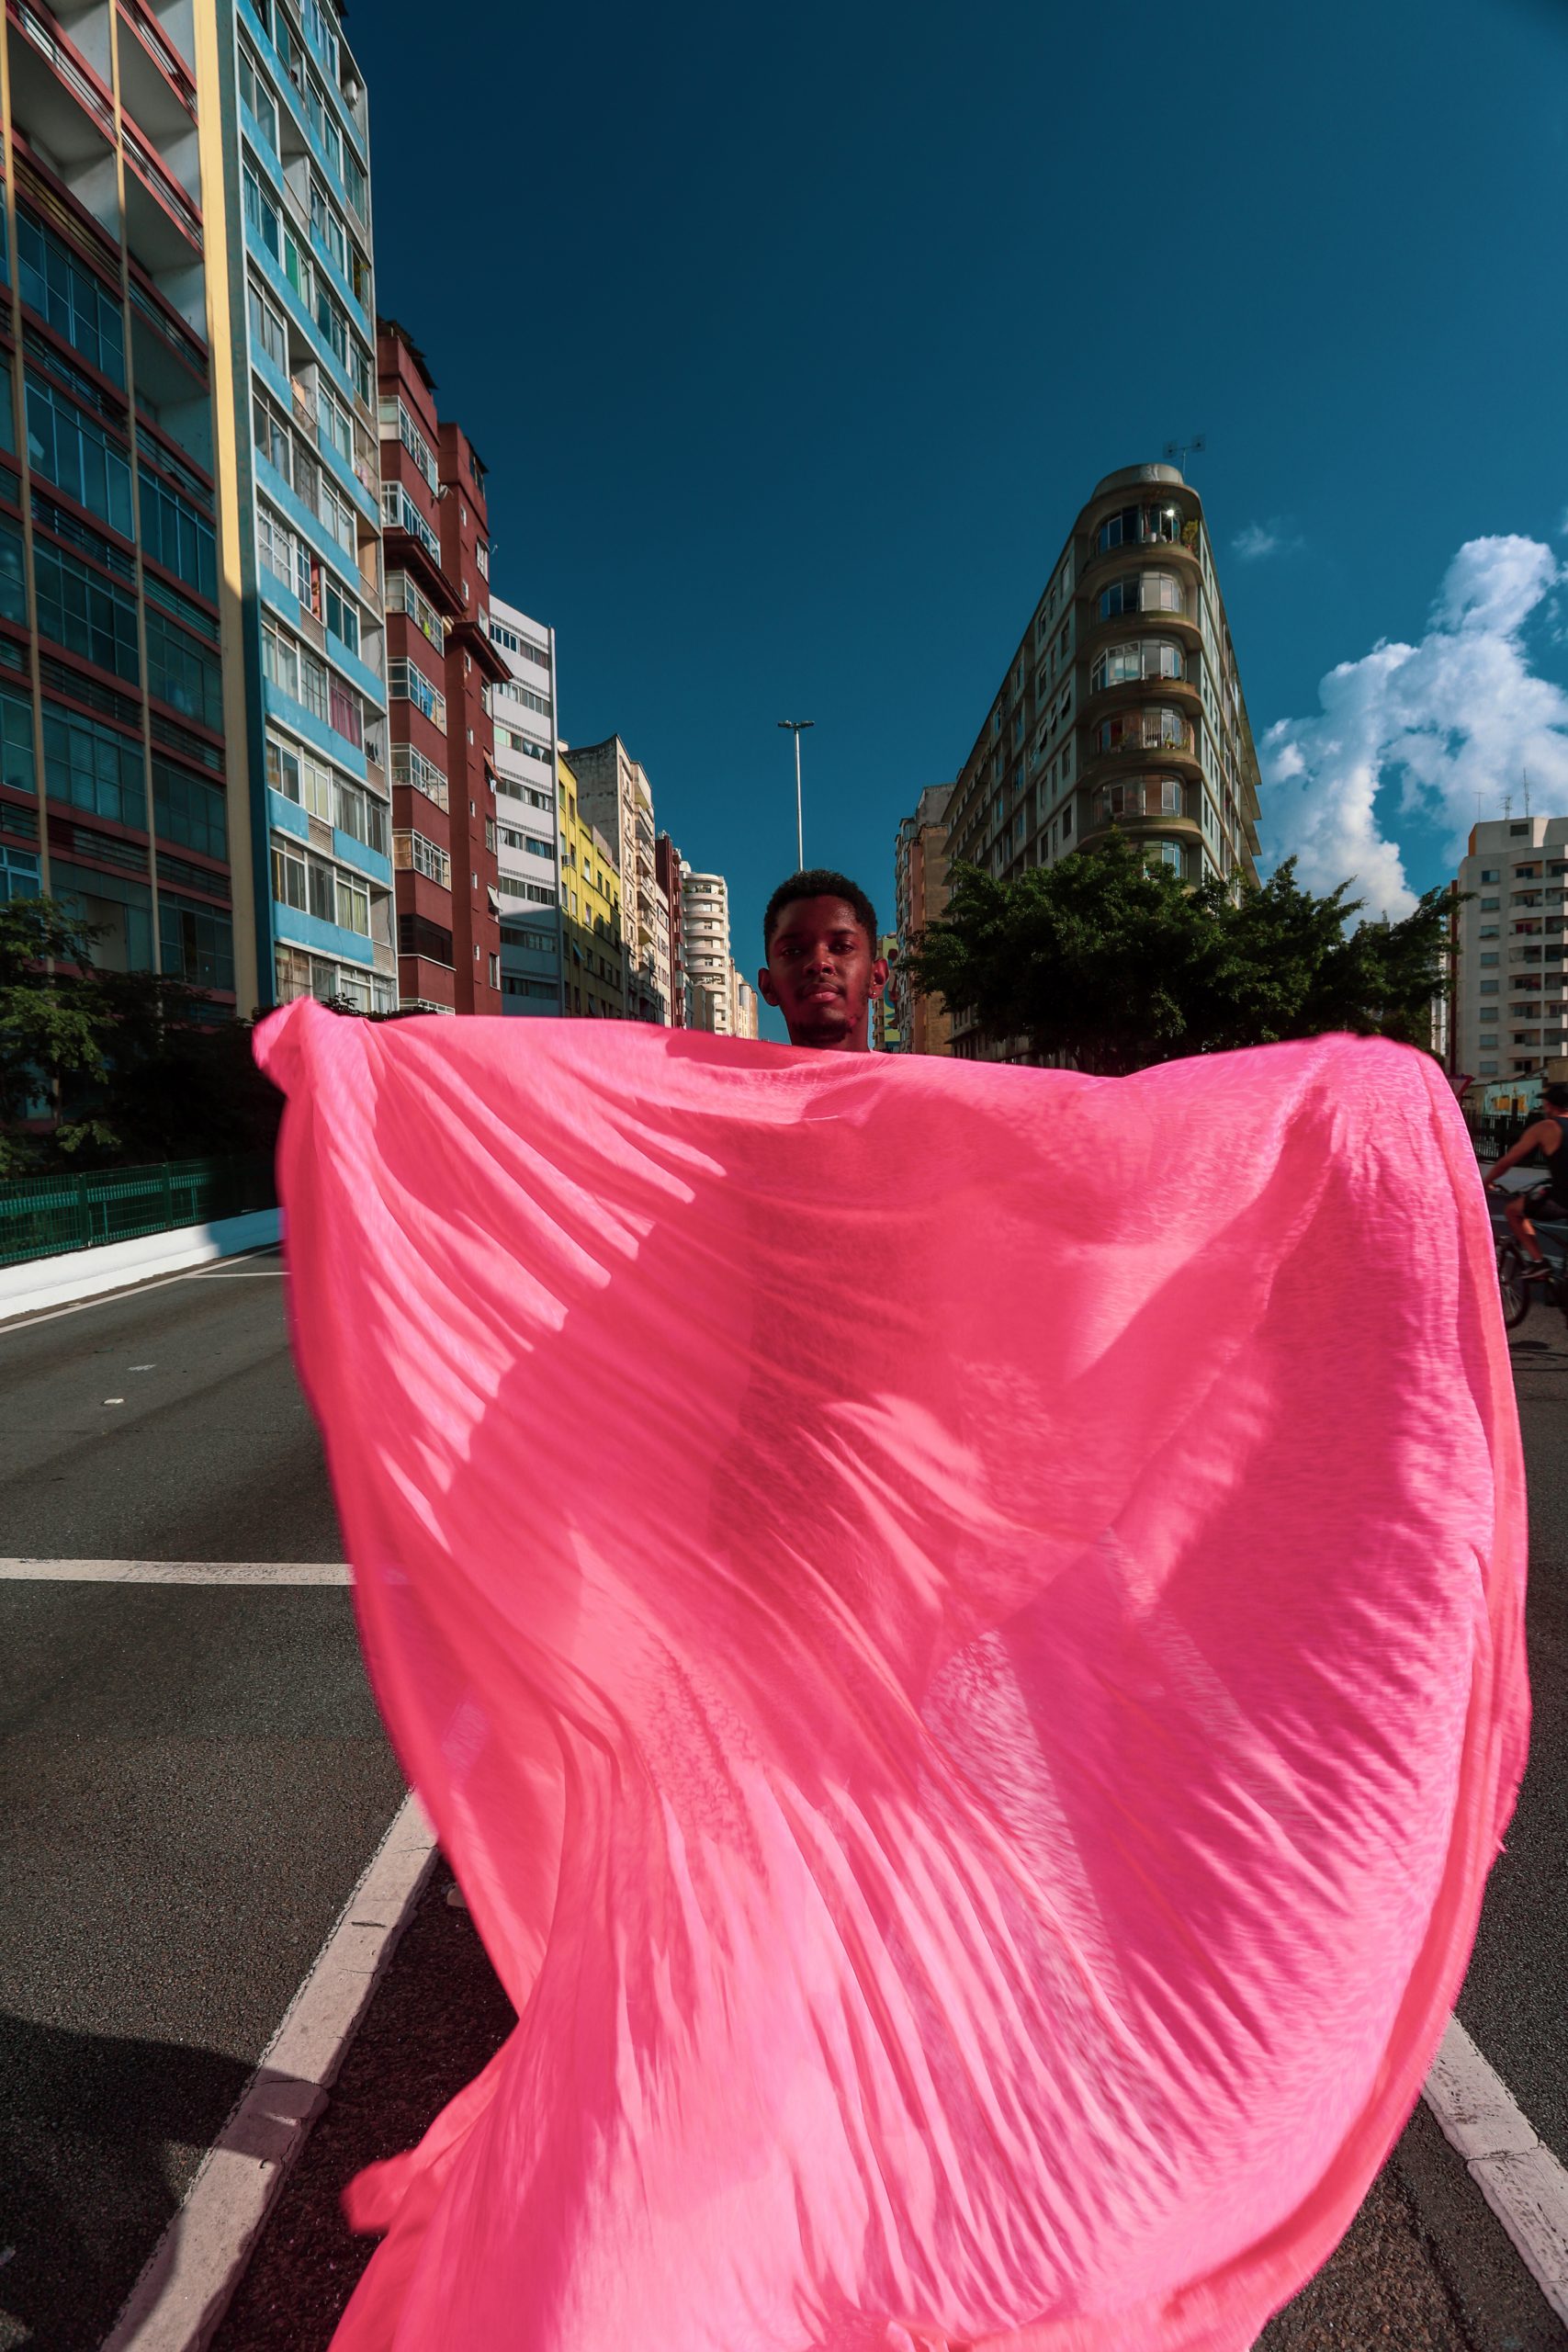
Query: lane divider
pixel 1520 2178
pixel 179 2300
pixel 176 1572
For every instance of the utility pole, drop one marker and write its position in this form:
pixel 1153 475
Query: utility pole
pixel 795 725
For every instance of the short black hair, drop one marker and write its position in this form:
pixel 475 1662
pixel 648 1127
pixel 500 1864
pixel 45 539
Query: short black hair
pixel 1556 1094
pixel 820 882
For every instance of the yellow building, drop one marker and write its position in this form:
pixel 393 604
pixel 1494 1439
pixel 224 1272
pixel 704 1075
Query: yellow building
pixel 593 956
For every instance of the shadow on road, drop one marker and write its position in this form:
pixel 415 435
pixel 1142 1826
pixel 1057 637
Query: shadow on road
pixel 93 2131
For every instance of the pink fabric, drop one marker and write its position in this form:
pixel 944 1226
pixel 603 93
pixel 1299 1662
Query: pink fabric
pixel 960 1629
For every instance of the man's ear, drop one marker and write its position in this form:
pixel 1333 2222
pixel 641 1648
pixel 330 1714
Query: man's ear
pixel 766 987
pixel 878 977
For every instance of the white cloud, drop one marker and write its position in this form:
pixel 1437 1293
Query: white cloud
pixel 1459 714
pixel 1259 539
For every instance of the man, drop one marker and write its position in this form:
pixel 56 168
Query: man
pixel 822 971
pixel 1549 1199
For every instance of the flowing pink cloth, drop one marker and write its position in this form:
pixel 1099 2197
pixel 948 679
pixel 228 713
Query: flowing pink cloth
pixel 961 1628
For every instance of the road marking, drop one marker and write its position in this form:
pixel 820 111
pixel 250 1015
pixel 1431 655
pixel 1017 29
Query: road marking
pixel 175 1571
pixel 181 2296
pixel 244 1274
pixel 1522 2181
pixel 23 1324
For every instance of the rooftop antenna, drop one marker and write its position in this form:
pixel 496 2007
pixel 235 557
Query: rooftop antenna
pixel 1178 452
pixel 1508 804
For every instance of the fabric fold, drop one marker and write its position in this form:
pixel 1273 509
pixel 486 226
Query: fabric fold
pixel 962 1630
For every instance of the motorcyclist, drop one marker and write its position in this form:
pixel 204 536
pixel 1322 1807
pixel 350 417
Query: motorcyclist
pixel 1546 1135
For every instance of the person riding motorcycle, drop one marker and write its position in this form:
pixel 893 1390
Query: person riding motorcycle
pixel 1546 1135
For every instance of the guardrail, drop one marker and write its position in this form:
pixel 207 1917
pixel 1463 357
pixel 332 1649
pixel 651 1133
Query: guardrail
pixel 41 1216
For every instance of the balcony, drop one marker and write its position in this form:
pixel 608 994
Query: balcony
pixel 162 225
pixel 65 102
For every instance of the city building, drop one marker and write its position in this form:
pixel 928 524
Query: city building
pixel 1508 1018
pixel 614 795
pixel 443 668
pixel 1121 709
pixel 527 813
pixel 742 1005
pixel 284 140
pixel 921 865
pixel 705 913
pixel 592 946
pixel 667 873
pixel 886 1034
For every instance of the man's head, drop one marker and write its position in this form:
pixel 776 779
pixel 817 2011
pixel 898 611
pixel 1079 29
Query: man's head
pixel 822 969
pixel 1555 1097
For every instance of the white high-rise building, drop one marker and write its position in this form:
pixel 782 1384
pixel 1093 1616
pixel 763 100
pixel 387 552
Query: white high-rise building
pixel 704 907
pixel 1508 1012
pixel 526 801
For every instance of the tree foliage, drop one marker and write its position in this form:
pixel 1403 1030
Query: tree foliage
pixel 106 1069
pixel 1107 964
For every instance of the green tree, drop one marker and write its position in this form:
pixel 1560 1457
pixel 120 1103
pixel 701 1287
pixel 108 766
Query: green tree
pixel 1110 965
pixel 112 1068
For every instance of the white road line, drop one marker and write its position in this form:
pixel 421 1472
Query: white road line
pixel 1522 2181
pixel 23 1323
pixel 180 2298
pixel 175 1571
pixel 240 1275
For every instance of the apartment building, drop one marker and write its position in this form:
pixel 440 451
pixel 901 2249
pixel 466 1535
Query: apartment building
pixel 666 876
pixel 1509 1017
pixel 527 810
pixel 706 918
pixel 887 1037
pixel 919 877
pixel 443 670
pixel 1121 709
pixel 614 794
pixel 742 1005
pixel 125 788
pixel 593 955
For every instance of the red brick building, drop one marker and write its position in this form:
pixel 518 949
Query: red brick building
pixel 440 667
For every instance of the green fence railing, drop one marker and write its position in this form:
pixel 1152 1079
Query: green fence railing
pixel 41 1216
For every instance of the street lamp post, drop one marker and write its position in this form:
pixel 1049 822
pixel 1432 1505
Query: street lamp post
pixel 795 725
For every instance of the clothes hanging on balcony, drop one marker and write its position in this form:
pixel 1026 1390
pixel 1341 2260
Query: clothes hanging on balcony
pixel 960 1627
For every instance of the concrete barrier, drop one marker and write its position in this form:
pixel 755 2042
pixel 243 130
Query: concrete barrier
pixel 40 1282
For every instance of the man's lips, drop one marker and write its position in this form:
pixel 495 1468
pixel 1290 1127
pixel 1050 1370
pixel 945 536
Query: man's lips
pixel 821 995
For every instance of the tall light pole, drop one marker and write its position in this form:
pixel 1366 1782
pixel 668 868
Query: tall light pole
pixel 795 725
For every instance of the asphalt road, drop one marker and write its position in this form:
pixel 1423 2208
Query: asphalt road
pixel 194 1778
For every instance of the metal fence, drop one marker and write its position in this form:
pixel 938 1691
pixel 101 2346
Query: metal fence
pixel 41 1216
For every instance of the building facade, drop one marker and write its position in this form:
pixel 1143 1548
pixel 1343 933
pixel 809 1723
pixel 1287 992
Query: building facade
pixel 442 670
pixel 286 163
pixel 1509 1017
pixel 705 913
pixel 593 943
pixel 667 875
pixel 120 792
pixel 743 1018
pixel 614 795
pixel 919 879
pixel 528 816
pixel 885 1033
pixel 1121 709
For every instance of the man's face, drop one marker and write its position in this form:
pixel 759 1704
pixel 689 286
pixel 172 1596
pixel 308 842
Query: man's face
pixel 823 974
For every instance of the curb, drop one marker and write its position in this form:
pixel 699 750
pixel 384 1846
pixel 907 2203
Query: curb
pixel 183 2293
pixel 1522 2181
pixel 39 1283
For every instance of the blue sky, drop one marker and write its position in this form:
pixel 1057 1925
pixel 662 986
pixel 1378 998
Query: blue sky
pixel 794 341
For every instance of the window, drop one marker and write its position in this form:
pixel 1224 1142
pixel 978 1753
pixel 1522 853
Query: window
pixel 1488 987
pixel 84 613
pixel 256 92
pixel 1121 665
pixel 175 535
pixel 1135 525
pixel 62 289
pixel 331 319
pixel 16 768
pixel 1142 592
pixel 281 551
pixel 404 596
pixel 413 851
pixel 417 935
pixel 1167 853
pixel 312 886
pixel 327 228
pixel 197 943
pixel 526 695
pixel 481 553
pixel 186 809
pixel 398 511
pixel 1490 906
pixel 91 767
pixel 262 216
pixel 341 614
pixel 1488 1045
pixel 1492 874
pixel 301 778
pixel 19 873
pixel 280 660
pixel 407 682
pixel 78 456
pixel 501 635
pixel 1489 959
pixel 1141 730
pixel 268 332
pixel 397 423
pixel 336 422
pixel 13 576
pixel 180 673
pixel 412 768
pixel 313 686
pixel 337 514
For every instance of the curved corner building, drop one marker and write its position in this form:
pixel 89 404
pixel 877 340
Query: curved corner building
pixel 1121 709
